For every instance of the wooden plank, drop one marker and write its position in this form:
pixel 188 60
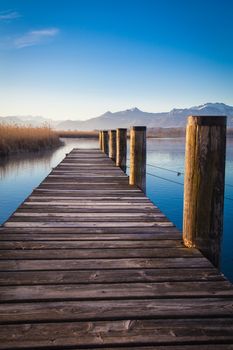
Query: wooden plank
pixel 39 234
pixel 114 309
pixel 86 224
pixel 100 171
pixel 63 220
pixel 131 194
pixel 101 253
pixel 27 208
pixel 116 174
pixel 118 332
pixel 82 203
pixel 99 177
pixel 71 217
pixel 100 244
pixel 85 166
pixel 40 213
pixel 95 216
pixel 107 264
pixel 158 290
pixel 87 185
pixel 93 192
pixel 84 183
pixel 109 276
pixel 86 159
pixel 85 180
pixel 155 232
pixel 131 200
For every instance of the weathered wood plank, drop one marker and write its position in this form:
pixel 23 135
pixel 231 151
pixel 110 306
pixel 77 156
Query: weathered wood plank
pixel 61 217
pixel 109 276
pixel 107 264
pixel 131 200
pixel 58 178
pixel 168 232
pixel 87 185
pixel 140 232
pixel 118 332
pixel 114 309
pixel 100 244
pixel 91 195
pixel 27 208
pixel 41 234
pixel 95 216
pixel 100 177
pixel 101 253
pixel 86 224
pixel 102 205
pixel 158 290
pixel 103 173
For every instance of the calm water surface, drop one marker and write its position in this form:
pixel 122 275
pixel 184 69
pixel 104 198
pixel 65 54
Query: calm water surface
pixel 21 174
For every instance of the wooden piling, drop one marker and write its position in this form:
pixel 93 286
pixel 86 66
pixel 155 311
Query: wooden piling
pixel 105 148
pixel 100 139
pixel 112 144
pixel 204 185
pixel 138 157
pixel 121 148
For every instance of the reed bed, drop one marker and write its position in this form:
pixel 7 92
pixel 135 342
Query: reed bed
pixel 16 139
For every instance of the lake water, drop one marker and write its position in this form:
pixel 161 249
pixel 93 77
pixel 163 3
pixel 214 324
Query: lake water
pixel 21 174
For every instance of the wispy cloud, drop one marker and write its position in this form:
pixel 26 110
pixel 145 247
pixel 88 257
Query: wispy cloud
pixel 9 15
pixel 35 37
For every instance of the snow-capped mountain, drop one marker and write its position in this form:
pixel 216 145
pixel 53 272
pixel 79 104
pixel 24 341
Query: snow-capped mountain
pixel 134 116
pixel 129 117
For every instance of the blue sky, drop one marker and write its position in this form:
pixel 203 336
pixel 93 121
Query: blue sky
pixel 79 58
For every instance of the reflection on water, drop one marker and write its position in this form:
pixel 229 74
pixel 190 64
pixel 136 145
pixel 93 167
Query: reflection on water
pixel 21 174
pixel 41 161
pixel 17 163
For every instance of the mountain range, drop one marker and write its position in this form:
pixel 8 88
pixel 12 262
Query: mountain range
pixel 127 118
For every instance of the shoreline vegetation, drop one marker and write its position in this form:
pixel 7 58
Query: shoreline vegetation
pixel 17 139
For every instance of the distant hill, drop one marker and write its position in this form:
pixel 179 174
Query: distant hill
pixel 27 120
pixel 174 118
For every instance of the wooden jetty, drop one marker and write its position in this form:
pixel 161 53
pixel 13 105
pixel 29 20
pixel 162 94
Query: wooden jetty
pixel 88 261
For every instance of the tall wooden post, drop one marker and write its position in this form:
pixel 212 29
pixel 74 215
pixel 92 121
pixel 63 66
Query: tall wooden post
pixel 138 157
pixel 105 141
pixel 121 148
pixel 204 185
pixel 100 139
pixel 112 144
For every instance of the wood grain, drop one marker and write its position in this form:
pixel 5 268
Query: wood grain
pixel 204 185
pixel 89 262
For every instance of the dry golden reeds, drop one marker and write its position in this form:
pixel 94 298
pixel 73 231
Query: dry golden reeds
pixel 14 138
